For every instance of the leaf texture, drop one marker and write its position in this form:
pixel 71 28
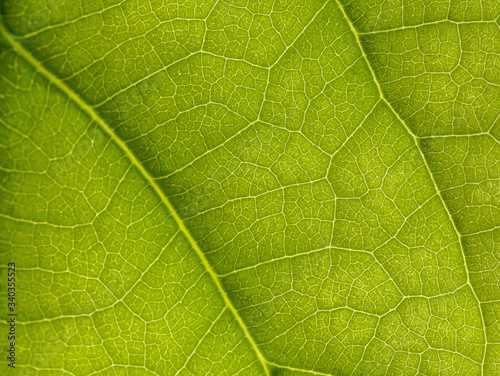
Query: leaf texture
pixel 232 187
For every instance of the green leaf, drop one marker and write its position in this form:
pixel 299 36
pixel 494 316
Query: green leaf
pixel 230 187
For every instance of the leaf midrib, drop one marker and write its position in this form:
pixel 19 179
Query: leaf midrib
pixel 72 95
pixel 91 111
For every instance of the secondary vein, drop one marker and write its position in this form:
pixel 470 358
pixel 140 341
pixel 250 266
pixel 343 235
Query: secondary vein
pixel 413 135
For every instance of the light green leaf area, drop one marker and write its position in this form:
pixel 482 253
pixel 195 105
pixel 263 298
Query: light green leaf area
pixel 234 187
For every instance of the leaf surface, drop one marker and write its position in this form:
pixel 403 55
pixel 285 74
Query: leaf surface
pixel 252 188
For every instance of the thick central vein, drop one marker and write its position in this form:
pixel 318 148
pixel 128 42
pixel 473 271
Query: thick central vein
pixel 123 146
pixel 413 135
pixel 91 111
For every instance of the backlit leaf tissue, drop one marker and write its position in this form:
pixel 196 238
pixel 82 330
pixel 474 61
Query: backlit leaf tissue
pixel 239 187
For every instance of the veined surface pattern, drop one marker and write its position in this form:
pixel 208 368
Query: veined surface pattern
pixel 252 188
